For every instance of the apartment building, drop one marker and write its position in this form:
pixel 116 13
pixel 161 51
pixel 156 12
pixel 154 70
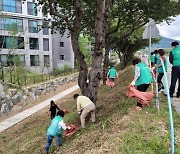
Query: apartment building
pixel 38 50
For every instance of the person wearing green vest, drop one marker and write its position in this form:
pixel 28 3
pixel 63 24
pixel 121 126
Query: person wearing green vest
pixel 156 56
pixel 160 68
pixel 55 129
pixel 112 74
pixel 174 58
pixel 142 78
pixel 152 59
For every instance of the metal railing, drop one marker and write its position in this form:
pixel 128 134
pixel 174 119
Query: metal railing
pixel 28 79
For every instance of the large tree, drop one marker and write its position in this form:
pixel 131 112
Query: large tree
pixel 128 16
pixel 68 15
pixel 128 47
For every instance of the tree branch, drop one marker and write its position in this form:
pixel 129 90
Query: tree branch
pixel 117 27
pixel 65 18
pixel 125 35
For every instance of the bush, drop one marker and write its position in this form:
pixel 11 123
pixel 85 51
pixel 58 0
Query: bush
pixel 61 71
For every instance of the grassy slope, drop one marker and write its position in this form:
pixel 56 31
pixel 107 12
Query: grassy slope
pixel 118 129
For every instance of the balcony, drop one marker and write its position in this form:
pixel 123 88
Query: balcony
pixel 9 8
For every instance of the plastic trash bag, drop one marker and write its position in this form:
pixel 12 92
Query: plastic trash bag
pixel 143 97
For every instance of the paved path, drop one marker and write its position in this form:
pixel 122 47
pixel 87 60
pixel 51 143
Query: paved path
pixel 21 116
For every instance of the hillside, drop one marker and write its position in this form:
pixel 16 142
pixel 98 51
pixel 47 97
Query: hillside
pixel 164 43
pixel 118 129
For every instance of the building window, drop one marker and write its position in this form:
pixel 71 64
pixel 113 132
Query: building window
pixel 10 59
pixel 3 60
pixel 33 43
pixel 2 42
pixel 9 42
pixel 61 44
pixel 45 28
pixel 61 57
pixel 20 43
pixel 34 60
pixel 6 60
pixel 22 60
pixel 33 26
pixel 45 31
pixel 11 24
pixel 12 6
pixel 46 60
pixel 45 44
pixel 32 8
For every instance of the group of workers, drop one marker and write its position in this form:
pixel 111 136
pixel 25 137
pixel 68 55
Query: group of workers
pixel 174 59
pixel 84 106
pixel 142 80
pixel 143 73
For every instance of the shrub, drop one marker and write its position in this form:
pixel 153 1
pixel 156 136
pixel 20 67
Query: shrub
pixel 60 71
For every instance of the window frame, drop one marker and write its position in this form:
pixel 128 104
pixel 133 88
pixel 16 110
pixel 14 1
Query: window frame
pixel 31 27
pixel 45 43
pixel 45 61
pixel 36 63
pixel 17 21
pixel 33 9
pixel 61 44
pixel 62 59
pixel 30 43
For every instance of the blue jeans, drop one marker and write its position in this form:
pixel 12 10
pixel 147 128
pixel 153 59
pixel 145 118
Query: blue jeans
pixel 49 141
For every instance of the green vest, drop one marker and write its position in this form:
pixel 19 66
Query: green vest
pixel 145 75
pixel 54 129
pixel 112 73
pixel 156 58
pixel 160 69
pixel 176 56
pixel 152 58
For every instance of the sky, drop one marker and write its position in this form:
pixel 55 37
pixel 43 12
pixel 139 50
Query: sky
pixel 171 31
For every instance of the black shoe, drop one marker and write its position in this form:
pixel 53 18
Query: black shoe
pixel 171 96
pixel 178 95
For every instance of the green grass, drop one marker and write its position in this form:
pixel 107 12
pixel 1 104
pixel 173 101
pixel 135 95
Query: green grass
pixel 118 128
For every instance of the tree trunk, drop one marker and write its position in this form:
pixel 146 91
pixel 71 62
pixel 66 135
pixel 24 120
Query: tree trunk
pixel 107 46
pixel 106 63
pixel 121 58
pixel 83 69
pixel 125 58
pixel 88 89
pixel 95 72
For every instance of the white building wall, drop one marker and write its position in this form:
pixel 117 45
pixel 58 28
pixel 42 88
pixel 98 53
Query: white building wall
pixel 67 50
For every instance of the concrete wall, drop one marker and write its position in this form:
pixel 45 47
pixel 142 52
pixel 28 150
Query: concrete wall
pixel 66 51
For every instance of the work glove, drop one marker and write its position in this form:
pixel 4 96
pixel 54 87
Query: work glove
pixel 132 83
